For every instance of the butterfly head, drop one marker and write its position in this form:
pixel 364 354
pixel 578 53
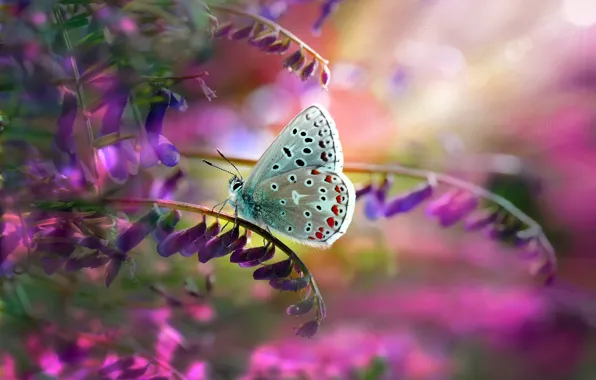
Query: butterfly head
pixel 235 187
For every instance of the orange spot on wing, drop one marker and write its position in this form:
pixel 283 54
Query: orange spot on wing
pixel 338 199
pixel 328 179
pixel 335 209
pixel 330 222
pixel 319 235
pixel 315 172
pixel 337 189
pixel 311 238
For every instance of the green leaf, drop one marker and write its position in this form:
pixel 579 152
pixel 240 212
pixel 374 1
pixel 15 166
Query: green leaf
pixel 77 21
pixel 92 39
pixel 111 139
pixel 375 371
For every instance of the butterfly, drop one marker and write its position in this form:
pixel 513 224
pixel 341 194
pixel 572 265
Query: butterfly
pixel 297 187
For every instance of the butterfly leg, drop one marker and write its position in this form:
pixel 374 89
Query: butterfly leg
pixel 267 242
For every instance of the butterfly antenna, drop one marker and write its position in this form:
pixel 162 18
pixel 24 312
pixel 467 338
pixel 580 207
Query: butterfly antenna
pixel 217 167
pixel 230 162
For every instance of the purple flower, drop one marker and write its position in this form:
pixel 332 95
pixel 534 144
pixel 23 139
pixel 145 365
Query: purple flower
pixel 112 269
pixel 294 61
pixel 408 201
pixel 242 33
pixel 223 30
pixel 481 219
pixel 64 139
pixel 252 257
pixel 63 145
pixel 119 159
pixel 158 148
pixel 309 69
pixel 263 42
pixel 165 188
pixel 290 284
pixel 302 307
pixel 8 243
pixel 119 365
pixel 274 10
pixel 179 240
pixel 281 269
pixel 308 329
pixel 374 208
pixel 327 8
pixel 138 231
pixel 219 246
pixel 364 190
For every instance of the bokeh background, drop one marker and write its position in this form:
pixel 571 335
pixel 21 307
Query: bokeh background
pixel 498 93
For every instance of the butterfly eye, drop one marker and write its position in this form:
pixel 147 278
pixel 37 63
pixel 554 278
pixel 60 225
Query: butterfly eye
pixel 236 186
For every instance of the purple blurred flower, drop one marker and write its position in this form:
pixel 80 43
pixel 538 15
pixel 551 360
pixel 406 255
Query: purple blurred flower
pixel 8 243
pixel 158 148
pixel 347 353
pixel 408 201
pixel 120 159
pixel 113 268
pixel 138 231
pixel 165 188
pixel 374 208
pixel 327 8
pixel 274 10
pixel 64 139
pixel 481 219
pixel 364 190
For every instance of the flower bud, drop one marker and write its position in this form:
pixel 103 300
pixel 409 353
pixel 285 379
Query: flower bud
pixel 281 269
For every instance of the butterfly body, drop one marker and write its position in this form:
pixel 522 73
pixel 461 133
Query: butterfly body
pixel 297 187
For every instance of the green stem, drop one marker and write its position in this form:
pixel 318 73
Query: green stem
pixel 533 226
pixel 59 18
pixel 273 26
pixel 183 206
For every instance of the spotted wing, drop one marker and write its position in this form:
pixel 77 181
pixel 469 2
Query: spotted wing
pixel 313 206
pixel 311 139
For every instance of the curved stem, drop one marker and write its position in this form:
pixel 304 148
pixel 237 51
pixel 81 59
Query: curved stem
pixel 183 206
pixel 59 18
pixel 273 26
pixel 421 174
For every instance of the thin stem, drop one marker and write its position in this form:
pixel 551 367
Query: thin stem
pixel 421 174
pixel 183 206
pixel 59 18
pixel 273 26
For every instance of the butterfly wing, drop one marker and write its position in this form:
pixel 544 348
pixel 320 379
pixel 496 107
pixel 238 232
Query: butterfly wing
pixel 309 140
pixel 313 206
